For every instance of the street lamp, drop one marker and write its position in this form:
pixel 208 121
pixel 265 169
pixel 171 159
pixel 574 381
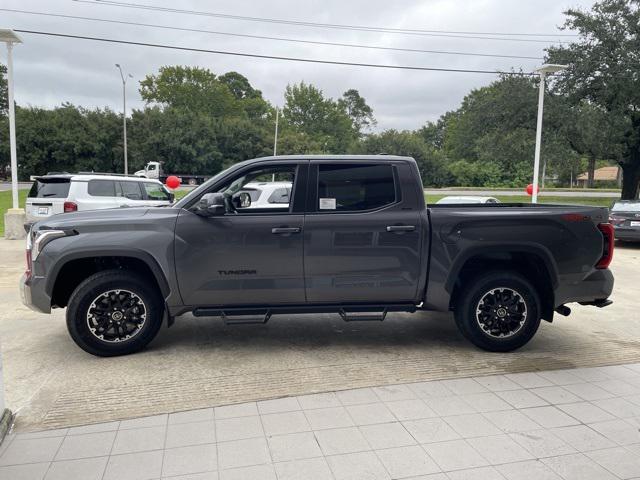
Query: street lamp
pixel 124 114
pixel 543 71
pixel 15 216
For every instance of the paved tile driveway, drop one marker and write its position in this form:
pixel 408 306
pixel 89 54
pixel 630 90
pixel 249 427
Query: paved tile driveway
pixel 577 424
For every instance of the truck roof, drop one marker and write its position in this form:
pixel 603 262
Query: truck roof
pixel 335 157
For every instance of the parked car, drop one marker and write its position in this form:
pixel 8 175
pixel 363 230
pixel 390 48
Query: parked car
pixel 625 218
pixel 357 239
pixel 268 194
pixel 469 199
pixel 69 192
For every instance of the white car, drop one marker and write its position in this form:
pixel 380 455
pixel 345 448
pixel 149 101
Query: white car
pixel 70 192
pixel 467 199
pixel 268 194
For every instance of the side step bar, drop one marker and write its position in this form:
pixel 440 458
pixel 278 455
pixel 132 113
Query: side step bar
pixel 260 316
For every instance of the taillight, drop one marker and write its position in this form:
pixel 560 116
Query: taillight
pixel 607 246
pixel 70 207
pixel 29 264
pixel 615 220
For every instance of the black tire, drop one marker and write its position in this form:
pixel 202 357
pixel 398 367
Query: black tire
pixel 506 333
pixel 142 297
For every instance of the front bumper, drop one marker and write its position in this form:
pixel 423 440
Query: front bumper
pixel 33 294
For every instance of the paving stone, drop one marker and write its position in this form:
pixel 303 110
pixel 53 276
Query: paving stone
pixel 30 471
pixel 308 469
pixel 243 453
pixel 522 399
pixel 363 465
pixel 83 469
pixel 387 435
pixel 357 396
pixel 238 428
pixel 406 462
pixel 139 440
pixel 486 402
pixel 528 380
pixel 619 407
pixel 410 409
pixel 497 383
pixel 586 412
pixel 583 438
pixel 460 386
pixel 430 389
pixel 577 467
pixel 238 410
pixel 510 421
pixel 341 440
pixel 431 430
pixel 319 400
pixel 34 450
pixel 202 415
pixel 142 422
pixel 555 395
pixel 560 377
pixel 472 425
pixel 294 446
pixel 186 434
pixel 394 392
pixel 619 431
pixel 261 472
pixel 94 428
pixel 84 446
pixel 445 406
pixel 278 405
pixel 588 391
pixel 542 443
pixel 549 417
pixel 500 449
pixel 287 422
pixel 482 473
pixel 529 470
pixel 625 463
pixel 134 466
pixel 323 418
pixel 455 455
pixel 370 413
pixel 193 459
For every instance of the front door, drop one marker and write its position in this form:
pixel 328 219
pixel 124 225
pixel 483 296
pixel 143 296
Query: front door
pixel 362 239
pixel 249 256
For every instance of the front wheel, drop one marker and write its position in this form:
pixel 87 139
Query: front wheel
pixel 498 311
pixel 114 312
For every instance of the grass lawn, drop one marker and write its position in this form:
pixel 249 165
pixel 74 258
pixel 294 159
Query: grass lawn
pixel 5 204
pixel 593 201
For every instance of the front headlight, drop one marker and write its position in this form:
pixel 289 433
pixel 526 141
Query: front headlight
pixel 38 239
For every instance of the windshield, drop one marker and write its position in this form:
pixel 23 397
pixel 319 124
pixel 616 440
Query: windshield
pixel 626 207
pixel 50 188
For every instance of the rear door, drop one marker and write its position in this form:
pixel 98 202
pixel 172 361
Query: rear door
pixel 362 235
pixel 47 196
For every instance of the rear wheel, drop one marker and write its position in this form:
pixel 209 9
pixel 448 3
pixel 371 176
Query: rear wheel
pixel 114 312
pixel 498 311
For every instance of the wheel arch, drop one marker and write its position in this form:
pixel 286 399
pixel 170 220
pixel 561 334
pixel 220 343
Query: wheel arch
pixel 73 268
pixel 534 262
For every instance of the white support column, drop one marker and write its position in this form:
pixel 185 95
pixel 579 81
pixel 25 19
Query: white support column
pixel 536 161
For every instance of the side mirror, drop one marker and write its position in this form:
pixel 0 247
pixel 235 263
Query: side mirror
pixel 172 197
pixel 211 205
pixel 244 199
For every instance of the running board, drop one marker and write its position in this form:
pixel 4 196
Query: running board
pixel 260 316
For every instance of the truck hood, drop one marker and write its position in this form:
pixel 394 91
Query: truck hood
pixel 109 219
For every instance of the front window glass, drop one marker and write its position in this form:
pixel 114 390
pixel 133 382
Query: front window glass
pixel 131 190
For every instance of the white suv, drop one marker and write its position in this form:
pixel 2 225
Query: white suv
pixel 51 194
pixel 268 194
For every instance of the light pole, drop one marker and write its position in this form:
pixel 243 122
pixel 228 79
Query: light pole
pixel 124 114
pixel 275 139
pixel 15 216
pixel 543 71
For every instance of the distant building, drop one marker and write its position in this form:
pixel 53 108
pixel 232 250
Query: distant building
pixel 604 176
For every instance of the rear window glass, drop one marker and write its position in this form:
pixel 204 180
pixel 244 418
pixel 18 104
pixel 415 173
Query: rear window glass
pixel 348 187
pixel 50 188
pixel 102 188
pixel 626 207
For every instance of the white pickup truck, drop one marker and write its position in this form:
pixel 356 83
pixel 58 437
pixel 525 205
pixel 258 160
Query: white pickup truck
pixel 154 170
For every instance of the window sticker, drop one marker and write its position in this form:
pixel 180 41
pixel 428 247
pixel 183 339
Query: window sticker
pixel 327 204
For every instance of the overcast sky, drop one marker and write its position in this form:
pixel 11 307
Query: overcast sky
pixel 50 71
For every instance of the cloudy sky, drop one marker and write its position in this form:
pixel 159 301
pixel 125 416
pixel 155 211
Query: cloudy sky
pixel 50 71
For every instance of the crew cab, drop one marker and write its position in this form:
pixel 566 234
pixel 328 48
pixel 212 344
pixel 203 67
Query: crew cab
pixel 356 238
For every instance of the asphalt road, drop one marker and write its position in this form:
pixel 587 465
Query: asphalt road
pixel 4 186
pixel 201 362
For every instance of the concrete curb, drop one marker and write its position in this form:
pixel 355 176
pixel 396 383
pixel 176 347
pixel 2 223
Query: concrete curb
pixel 5 423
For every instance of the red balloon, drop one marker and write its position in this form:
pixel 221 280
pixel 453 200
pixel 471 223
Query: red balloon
pixel 173 182
pixel 530 189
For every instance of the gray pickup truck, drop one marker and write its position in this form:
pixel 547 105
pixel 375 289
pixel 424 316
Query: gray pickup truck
pixel 356 238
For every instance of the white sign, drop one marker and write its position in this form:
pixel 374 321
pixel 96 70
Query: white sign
pixel 327 204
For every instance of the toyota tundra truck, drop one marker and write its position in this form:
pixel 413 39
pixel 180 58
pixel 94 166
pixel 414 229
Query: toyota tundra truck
pixel 354 237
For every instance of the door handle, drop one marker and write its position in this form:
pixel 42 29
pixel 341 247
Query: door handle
pixel 281 230
pixel 401 228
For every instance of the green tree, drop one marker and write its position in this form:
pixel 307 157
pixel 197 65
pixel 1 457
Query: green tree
pixel 250 99
pixel 307 111
pixel 359 112
pixel 190 88
pixel 603 68
pixel 4 91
